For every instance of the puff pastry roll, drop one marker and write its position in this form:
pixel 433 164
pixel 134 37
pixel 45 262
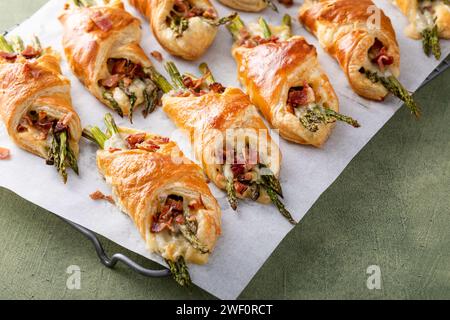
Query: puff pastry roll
pixel 164 193
pixel 35 104
pixel 101 44
pixel 429 21
pixel 250 5
pixel 368 53
pixel 229 137
pixel 284 79
pixel 185 28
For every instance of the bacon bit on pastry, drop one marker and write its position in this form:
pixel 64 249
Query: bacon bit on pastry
pixel 383 59
pixel 148 146
pixel 135 139
pixel 102 21
pixel 240 187
pixel 217 87
pixel 287 3
pixel 157 55
pixel 237 169
pixel 8 55
pixel 160 140
pixel 4 153
pixel 112 81
pixel 98 195
pixel 30 52
pixel 209 14
pixel 63 123
pixel 112 150
pixel 119 66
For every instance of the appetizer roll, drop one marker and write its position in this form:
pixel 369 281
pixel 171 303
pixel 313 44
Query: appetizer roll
pixel 429 21
pixel 35 103
pixel 164 193
pixel 368 53
pixel 229 137
pixel 185 28
pixel 284 79
pixel 101 44
pixel 250 5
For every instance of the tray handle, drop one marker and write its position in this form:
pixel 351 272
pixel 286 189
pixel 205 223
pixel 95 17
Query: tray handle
pixel 115 258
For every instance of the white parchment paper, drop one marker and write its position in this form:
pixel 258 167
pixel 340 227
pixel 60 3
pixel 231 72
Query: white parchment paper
pixel 250 236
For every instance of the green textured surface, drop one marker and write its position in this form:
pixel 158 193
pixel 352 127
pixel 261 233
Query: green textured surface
pixel 390 207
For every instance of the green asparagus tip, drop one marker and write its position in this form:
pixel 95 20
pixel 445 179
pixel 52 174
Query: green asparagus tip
pixel 271 5
pixel 5 46
pixel 160 81
pixel 17 44
pixel 180 272
pixel 280 206
pixel 235 26
pixel 225 20
pixel 175 75
pixel 204 69
pixel 265 28
pixel 231 194
pixel 111 124
pixel 96 135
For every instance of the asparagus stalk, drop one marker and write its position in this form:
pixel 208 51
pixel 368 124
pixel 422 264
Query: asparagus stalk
pixel 180 272
pixel 5 46
pixel 188 231
pixel 36 43
pixel 235 27
pixel 223 20
pixel 273 183
pixel 175 75
pixel 430 41
pixel 95 135
pixel 333 115
pixel 395 87
pixel 316 115
pixel 287 22
pixel 204 69
pixel 265 28
pixel 108 96
pixel 150 102
pixel 280 206
pixel 231 194
pixel 17 44
pixel 60 155
pixel 271 5
pixel 111 124
pixel 160 81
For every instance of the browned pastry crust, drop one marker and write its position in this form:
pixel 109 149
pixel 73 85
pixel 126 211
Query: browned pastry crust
pixel 214 117
pixel 195 40
pixel 92 35
pixel 36 84
pixel 246 5
pixel 140 179
pixel 441 13
pixel 344 30
pixel 268 71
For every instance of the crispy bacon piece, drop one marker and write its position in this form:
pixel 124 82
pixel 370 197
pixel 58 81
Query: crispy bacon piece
pixel 378 55
pixel 4 153
pixel 160 140
pixel 112 81
pixel 287 3
pixel 30 52
pixel 216 87
pixel 209 14
pixel 102 21
pixel 237 169
pixel 8 55
pixel 157 55
pixel 148 146
pixel 112 150
pixel 181 6
pixel 171 211
pixel 251 42
pixel 240 187
pixel 98 195
pixel 135 139
pixel 63 123
pixel 298 96
pixel 119 66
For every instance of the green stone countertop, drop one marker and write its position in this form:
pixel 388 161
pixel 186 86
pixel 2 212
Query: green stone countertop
pixel 390 208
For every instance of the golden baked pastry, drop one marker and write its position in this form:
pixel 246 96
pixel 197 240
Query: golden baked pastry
pixel 164 193
pixel 101 43
pixel 250 5
pixel 367 53
pixel 229 137
pixel 185 28
pixel 35 103
pixel 282 76
pixel 429 21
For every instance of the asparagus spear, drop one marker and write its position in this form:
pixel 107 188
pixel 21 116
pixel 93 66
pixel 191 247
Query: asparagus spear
pixel 180 271
pixel 223 20
pixel 318 114
pixel 188 231
pixel 273 183
pixel 5 46
pixel 160 81
pixel 175 75
pixel 430 41
pixel 235 27
pixel 111 124
pixel 395 87
pixel 108 96
pixel 204 69
pixel 274 197
pixel 265 28
pixel 150 102
pixel 95 135
pixel 36 43
pixel 60 155
pixel 231 194
pixel 17 44
pixel 271 5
